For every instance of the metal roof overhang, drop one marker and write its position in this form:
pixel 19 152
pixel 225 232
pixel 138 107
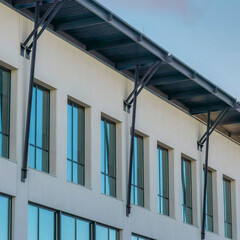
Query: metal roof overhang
pixel 96 30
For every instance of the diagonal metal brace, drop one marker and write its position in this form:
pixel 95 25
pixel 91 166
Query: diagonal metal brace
pixel 48 22
pixel 140 85
pixel 128 206
pixel 217 121
pixel 49 12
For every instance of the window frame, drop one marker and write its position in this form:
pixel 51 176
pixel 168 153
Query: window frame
pixel 206 214
pixel 159 148
pixel 9 198
pixel 226 179
pixel 183 205
pixel 56 218
pixel 133 185
pixel 106 120
pixel 95 224
pixel 78 106
pixel 75 224
pixel 38 86
pixel 9 112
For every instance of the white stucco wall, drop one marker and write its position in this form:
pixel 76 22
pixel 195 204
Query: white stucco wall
pixel 67 71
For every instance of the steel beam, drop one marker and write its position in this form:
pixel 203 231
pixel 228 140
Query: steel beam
pixel 205 178
pixel 131 63
pixel 46 14
pixel 157 51
pixel 22 4
pixel 234 134
pixel 173 79
pixel 80 23
pixel 207 107
pixel 52 15
pixel 109 44
pixel 141 82
pixel 128 207
pixel 30 91
pixel 147 79
pixel 213 127
pixel 188 94
pixel 232 120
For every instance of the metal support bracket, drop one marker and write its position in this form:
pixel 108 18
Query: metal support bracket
pixel 127 104
pixel 50 13
pixel 219 118
pixel 25 50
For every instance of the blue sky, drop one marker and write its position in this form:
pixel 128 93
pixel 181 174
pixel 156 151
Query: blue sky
pixel 205 34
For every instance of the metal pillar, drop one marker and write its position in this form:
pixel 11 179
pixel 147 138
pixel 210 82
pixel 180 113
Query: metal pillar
pixel 205 177
pixel 128 208
pixel 30 91
pixel 50 13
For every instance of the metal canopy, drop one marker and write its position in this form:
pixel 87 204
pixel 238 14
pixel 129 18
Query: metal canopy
pixel 98 31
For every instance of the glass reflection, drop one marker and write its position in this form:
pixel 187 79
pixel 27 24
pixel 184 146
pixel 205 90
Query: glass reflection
pixel 39 130
pixel 163 181
pixel 4 217
pixel 76 143
pixel 108 157
pixel 137 185
pixel 74 229
pixel 41 223
pixel 186 191
pixel 5 83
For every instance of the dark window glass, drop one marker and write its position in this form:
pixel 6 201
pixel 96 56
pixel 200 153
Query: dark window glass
pixel 227 208
pixel 5 83
pixel 108 157
pixel 73 228
pixel 209 202
pixel 76 143
pixel 186 191
pixel 163 181
pixel 106 233
pixel 137 185
pixel 5 217
pixel 39 130
pixel 41 223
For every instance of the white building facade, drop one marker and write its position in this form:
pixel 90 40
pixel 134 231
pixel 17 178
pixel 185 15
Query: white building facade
pixel 78 168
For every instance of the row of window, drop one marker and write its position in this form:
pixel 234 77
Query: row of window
pixel 39 155
pixel 46 224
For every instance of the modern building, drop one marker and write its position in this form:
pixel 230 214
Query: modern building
pixel 104 135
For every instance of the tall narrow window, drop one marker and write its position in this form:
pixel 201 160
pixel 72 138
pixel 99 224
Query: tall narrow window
pixel 41 223
pixel 76 144
pixel 137 186
pixel 108 157
pixel 73 228
pixel 4 112
pixel 186 191
pixel 5 218
pixel 39 130
pixel 209 202
pixel 163 181
pixel 227 208
pixel 106 233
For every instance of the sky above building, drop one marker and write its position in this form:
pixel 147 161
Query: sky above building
pixel 204 34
